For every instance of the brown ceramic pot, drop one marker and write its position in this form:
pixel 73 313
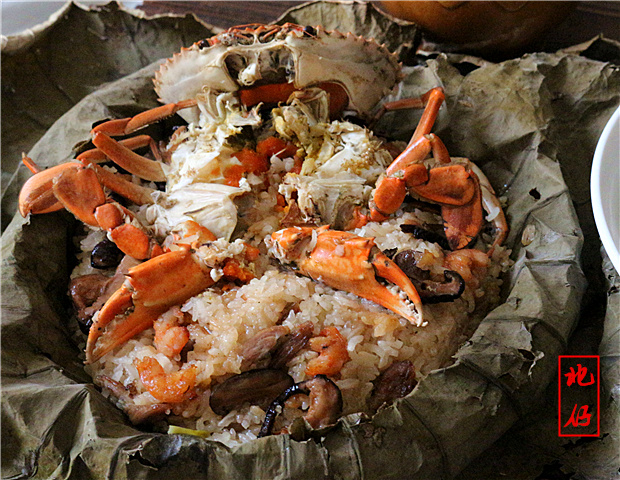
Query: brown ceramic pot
pixel 483 27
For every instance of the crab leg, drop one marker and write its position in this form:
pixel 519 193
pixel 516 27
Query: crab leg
pixel 461 190
pixel 433 98
pixel 430 101
pixel 156 114
pixel 129 160
pixel 129 238
pixel 125 126
pixel 30 165
pixel 492 206
pixel 450 185
pixel 150 289
pixel 95 155
pixel 134 193
pixel 280 92
pixel 446 184
pixel 78 189
pixel 80 192
pixel 463 223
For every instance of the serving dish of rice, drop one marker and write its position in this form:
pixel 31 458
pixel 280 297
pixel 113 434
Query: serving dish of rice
pixel 285 324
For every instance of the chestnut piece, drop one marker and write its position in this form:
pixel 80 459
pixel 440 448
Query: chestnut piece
pixel 394 382
pixel 105 255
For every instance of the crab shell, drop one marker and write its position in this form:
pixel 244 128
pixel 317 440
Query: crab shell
pixel 306 55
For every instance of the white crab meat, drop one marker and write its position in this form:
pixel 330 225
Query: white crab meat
pixel 342 163
pixel 202 153
pixel 209 204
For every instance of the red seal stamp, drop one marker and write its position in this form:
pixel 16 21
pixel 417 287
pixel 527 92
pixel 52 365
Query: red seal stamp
pixel 579 395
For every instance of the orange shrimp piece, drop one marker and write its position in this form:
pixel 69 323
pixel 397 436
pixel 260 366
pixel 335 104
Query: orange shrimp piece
pixel 468 263
pixel 168 388
pixel 170 337
pixel 332 349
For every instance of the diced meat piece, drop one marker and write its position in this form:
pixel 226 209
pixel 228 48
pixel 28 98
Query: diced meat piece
pixel 394 382
pixel 256 352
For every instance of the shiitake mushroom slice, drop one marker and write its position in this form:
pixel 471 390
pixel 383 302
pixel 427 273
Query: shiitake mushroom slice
pixel 430 291
pixel 325 403
pixel 257 387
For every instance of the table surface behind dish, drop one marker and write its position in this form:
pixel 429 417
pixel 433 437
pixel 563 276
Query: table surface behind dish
pixel 587 20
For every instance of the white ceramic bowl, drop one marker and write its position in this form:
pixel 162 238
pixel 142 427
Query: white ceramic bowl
pixel 605 188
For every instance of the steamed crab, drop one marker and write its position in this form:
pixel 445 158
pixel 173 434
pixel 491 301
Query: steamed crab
pixel 332 173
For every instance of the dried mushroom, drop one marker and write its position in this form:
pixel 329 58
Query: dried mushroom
pixel 430 291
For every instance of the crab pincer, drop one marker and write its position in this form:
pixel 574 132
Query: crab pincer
pixel 79 189
pixel 426 169
pixel 150 289
pixel 345 261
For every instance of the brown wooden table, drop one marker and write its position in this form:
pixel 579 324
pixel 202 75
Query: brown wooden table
pixel 586 21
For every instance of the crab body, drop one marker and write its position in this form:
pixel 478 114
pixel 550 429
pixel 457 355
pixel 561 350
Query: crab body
pixel 254 55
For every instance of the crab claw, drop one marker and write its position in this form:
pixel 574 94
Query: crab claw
pixel 37 194
pixel 347 262
pixel 463 223
pixel 150 289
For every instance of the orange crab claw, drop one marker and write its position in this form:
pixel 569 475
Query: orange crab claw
pixel 80 192
pixel 150 289
pixel 37 195
pixel 459 187
pixel 445 184
pixel 78 189
pixel 345 261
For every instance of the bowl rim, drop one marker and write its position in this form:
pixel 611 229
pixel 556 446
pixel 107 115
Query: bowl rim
pixel 595 190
